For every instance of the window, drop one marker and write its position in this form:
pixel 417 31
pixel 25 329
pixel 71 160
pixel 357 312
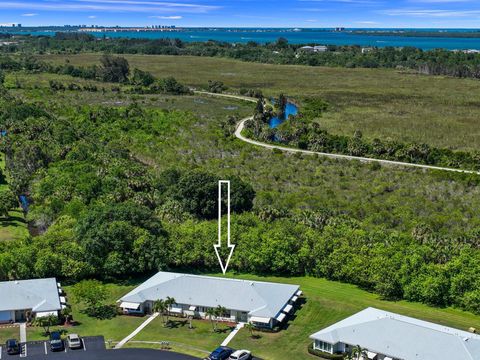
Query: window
pixel 324 346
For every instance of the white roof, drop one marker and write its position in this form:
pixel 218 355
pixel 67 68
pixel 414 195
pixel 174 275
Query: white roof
pixel 403 337
pixel 129 305
pixel 46 314
pixel 257 298
pixel 288 308
pixel 261 320
pixel 281 317
pixel 40 295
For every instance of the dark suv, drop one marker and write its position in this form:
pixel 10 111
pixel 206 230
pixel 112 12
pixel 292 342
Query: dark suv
pixel 220 353
pixel 56 342
pixel 13 347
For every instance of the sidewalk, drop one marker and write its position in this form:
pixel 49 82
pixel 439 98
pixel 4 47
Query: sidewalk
pixel 232 334
pixel 136 331
pixel 23 332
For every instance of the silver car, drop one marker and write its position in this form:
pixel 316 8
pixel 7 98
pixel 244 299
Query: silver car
pixel 74 341
pixel 241 355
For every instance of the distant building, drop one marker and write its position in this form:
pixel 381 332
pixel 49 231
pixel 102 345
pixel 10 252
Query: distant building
pixel 317 48
pixel 307 49
pixel 40 297
pixel 389 336
pixel 366 50
pixel 264 304
pixel 471 51
pixel 321 48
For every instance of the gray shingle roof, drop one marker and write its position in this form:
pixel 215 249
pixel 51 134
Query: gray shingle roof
pixel 402 337
pixel 263 299
pixel 40 295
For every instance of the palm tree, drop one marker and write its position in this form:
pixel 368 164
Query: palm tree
pixel 160 307
pixel 219 312
pixel 250 327
pixel 211 315
pixel 359 353
pixel 169 301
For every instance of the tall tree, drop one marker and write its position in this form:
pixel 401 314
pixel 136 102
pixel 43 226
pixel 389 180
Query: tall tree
pixel 114 69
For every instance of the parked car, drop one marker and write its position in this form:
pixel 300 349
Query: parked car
pixel 241 355
pixel 220 353
pixel 13 347
pixel 74 341
pixel 56 342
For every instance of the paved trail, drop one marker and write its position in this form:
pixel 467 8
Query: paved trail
pixel 136 331
pixel 241 125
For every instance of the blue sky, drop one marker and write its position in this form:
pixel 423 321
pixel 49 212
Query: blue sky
pixel 254 13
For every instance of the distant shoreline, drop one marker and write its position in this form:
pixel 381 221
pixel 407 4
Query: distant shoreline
pixel 425 39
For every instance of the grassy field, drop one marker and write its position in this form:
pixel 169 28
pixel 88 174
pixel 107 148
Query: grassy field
pixel 385 196
pixel 199 341
pixel 8 332
pixel 326 302
pixel 383 103
pixel 14 227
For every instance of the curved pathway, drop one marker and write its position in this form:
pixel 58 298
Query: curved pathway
pixel 241 126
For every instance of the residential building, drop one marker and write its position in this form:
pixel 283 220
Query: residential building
pixel 389 336
pixel 317 48
pixel 264 304
pixel 320 48
pixel 307 49
pixel 39 297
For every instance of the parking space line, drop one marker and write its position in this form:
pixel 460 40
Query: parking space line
pixel 45 343
pixel 23 352
pixel 84 346
pixel 1 353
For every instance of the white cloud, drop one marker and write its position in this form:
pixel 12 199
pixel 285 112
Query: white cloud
pixel 175 17
pixel 29 14
pixel 430 12
pixel 366 22
pixel 92 17
pixel 110 6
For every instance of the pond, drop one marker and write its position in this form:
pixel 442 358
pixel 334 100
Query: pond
pixel 291 109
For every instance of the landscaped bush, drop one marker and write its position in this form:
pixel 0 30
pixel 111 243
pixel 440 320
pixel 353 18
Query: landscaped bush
pixel 324 355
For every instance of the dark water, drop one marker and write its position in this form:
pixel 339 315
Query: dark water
pixel 300 36
pixel 24 202
pixel 291 109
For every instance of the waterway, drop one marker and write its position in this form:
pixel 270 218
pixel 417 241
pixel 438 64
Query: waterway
pixel 300 36
pixel 290 109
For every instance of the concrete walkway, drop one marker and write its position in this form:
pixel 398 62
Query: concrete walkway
pixel 238 134
pixel 232 334
pixel 23 332
pixel 136 331
pixel 241 125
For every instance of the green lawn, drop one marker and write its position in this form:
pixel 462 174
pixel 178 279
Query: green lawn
pixel 200 340
pixel 14 227
pixel 8 332
pixel 383 103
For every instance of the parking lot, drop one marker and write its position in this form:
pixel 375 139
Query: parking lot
pixel 41 349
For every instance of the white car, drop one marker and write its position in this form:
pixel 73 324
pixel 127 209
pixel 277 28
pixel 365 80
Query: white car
pixel 241 355
pixel 74 341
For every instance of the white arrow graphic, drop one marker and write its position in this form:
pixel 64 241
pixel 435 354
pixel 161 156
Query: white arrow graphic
pixel 219 244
